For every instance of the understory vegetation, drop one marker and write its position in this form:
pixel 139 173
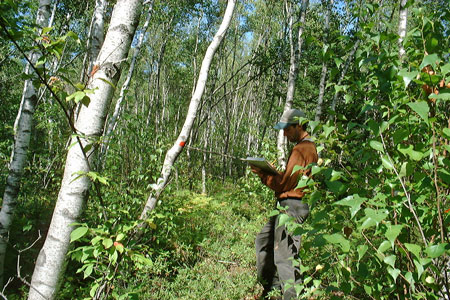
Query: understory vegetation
pixel 379 195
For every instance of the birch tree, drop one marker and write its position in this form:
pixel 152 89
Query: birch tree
pixel 328 4
pixel 21 142
pixel 95 36
pixel 403 20
pixel 118 107
pixel 89 126
pixel 176 149
pixel 293 71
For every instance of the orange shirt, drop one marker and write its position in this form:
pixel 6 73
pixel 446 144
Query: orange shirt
pixel 284 184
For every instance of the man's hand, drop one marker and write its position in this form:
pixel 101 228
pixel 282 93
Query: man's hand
pixel 257 171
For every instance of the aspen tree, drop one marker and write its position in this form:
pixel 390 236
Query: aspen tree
pixel 95 36
pixel 176 149
pixel 293 71
pixel 21 142
pixel 74 188
pixel 111 125
pixel 328 4
pixel 402 25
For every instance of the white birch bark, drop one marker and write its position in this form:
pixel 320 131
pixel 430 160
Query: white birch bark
pixel 176 149
pixel 328 5
pixel 95 36
pixel 118 107
pixel 22 137
pixel 292 78
pixel 402 25
pixel 90 123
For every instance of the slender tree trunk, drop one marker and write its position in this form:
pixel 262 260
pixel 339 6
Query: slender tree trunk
pixel 402 25
pixel 118 108
pixel 293 70
pixel 90 124
pixel 176 149
pixel 344 72
pixel 95 36
pixel 328 4
pixel 21 143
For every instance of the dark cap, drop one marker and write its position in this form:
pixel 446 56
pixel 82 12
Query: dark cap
pixel 289 117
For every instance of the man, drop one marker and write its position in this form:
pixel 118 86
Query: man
pixel 275 247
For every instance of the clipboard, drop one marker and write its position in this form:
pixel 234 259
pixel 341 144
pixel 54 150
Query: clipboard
pixel 262 164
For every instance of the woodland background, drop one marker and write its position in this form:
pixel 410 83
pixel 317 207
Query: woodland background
pixel 137 162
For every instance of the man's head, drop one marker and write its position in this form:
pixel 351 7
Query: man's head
pixel 290 117
pixel 289 123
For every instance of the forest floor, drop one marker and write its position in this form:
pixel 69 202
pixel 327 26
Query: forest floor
pixel 213 240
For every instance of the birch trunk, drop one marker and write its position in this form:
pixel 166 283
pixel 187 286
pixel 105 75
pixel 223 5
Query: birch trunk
pixel 328 4
pixel 22 137
pixel 95 36
pixel 176 149
pixel 118 108
pixel 293 70
pixel 402 25
pixel 90 123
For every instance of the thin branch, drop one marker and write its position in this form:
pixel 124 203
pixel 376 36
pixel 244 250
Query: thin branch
pixel 18 266
pixel 69 119
pixel 408 196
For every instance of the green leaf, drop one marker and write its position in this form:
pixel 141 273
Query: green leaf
pixel 446 132
pixel 362 249
pixel 94 289
pixel 78 233
pixel 415 155
pixel 283 219
pixel 407 76
pixel 387 162
pixel 335 175
pixel 383 246
pixel 120 237
pixel 107 243
pixel 392 233
pixel 434 251
pixel 315 170
pixel 315 196
pixel 327 130
pixel 442 96
pixel 119 247
pixel 338 88
pixel 421 108
pixel 390 260
pixel 274 212
pixel 414 249
pixel 403 170
pixel 77 96
pixel 88 270
pixel 95 240
pixel 353 201
pixel 336 187
pixel 419 267
pixel 409 277
pixel 108 82
pixel 377 146
pixel 445 69
pixel 338 239
pixel 431 59
pixel 113 257
pixel 373 217
pixel 394 273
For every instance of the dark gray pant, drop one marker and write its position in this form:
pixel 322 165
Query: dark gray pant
pixel 275 249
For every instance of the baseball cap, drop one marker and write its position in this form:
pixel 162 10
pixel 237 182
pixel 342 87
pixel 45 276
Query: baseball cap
pixel 289 117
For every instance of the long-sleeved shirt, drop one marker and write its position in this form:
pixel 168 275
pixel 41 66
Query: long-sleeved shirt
pixel 284 184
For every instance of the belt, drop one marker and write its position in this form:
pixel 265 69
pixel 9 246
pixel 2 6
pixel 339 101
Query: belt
pixel 290 198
